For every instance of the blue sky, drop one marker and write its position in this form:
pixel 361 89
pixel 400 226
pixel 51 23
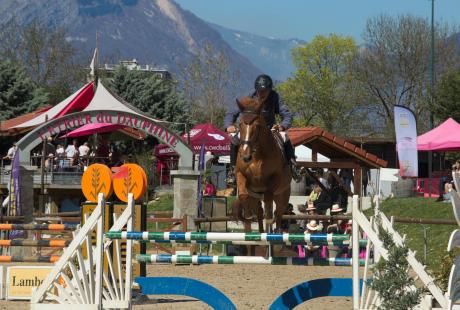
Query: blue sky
pixel 303 19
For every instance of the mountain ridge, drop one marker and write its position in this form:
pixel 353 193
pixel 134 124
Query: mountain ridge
pixel 157 32
pixel 271 55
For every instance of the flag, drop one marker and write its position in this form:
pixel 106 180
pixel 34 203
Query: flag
pixel 406 141
pixel 120 172
pixel 15 195
pixel 200 168
pixel 93 65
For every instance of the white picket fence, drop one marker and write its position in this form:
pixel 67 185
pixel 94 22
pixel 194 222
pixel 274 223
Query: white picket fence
pixel 78 283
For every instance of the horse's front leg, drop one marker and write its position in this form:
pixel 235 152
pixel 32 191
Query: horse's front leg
pixel 268 205
pixel 260 217
pixel 281 202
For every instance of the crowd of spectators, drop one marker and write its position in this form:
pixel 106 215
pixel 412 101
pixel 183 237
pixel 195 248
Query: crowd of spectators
pixel 74 156
pixel 328 195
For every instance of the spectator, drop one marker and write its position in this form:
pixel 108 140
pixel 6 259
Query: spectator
pixel 71 152
pixel 334 226
pixel 302 222
pixel 348 227
pixel 209 189
pixel 311 210
pixel 60 152
pixel 322 179
pixel 285 224
pixel 314 194
pixel 103 151
pixel 347 176
pixel 11 152
pixel 323 202
pixel 366 178
pixel 83 150
pixel 313 227
pixel 115 156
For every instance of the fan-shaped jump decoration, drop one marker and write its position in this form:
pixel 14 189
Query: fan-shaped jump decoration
pixel 96 179
pixel 130 178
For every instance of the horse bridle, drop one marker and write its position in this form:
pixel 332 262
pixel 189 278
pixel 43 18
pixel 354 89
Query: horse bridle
pixel 248 142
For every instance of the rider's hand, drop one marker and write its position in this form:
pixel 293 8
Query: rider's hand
pixel 277 127
pixel 231 129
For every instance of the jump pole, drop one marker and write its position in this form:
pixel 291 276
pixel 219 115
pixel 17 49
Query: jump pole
pixel 237 260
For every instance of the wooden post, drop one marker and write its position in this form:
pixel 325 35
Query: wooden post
pixel 355 254
pixel 314 154
pixel 357 181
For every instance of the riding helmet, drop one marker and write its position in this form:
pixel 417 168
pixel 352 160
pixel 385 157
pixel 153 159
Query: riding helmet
pixel 263 81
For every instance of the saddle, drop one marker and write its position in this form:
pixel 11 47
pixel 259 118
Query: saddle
pixel 280 144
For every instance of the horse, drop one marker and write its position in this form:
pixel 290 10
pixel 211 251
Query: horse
pixel 262 172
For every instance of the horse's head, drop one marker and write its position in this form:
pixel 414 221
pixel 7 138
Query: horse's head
pixel 250 124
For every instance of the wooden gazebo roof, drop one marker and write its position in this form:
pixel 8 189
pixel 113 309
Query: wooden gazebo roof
pixel 333 147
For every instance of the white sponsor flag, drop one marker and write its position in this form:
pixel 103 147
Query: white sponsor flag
pixel 93 65
pixel 406 141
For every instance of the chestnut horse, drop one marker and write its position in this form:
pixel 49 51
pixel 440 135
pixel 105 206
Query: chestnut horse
pixel 262 172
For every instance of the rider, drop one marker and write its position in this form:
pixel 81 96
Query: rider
pixel 273 104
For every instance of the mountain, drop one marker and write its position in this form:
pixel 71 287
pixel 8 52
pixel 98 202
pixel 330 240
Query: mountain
pixel 157 32
pixel 272 56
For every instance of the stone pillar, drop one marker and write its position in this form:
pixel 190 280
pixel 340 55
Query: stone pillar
pixel 185 195
pixel 26 188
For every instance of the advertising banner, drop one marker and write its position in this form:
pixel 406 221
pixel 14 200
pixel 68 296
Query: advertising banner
pixel 406 141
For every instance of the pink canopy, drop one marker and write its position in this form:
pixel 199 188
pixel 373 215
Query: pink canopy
pixel 214 140
pixel 164 150
pixel 445 137
pixel 90 129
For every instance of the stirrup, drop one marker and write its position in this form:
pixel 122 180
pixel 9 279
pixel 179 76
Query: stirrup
pixel 296 175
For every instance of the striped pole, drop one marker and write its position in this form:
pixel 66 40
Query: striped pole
pixel 362 242
pixel 214 236
pixel 234 260
pixel 56 243
pixel 28 259
pixel 38 226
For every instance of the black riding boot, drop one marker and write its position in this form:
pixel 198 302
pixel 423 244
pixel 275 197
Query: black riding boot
pixel 297 171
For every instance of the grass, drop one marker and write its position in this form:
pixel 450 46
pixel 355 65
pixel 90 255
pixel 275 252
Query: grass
pixel 164 203
pixel 437 235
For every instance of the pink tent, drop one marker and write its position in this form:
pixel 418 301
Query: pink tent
pixel 164 150
pixel 214 140
pixel 445 137
pixel 90 129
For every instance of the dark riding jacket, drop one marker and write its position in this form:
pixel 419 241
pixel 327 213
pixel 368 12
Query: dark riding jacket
pixel 273 105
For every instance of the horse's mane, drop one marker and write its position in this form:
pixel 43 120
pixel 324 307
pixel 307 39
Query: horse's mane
pixel 248 104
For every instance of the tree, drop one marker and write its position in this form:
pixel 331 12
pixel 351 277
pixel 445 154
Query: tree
pixel 393 65
pixel 155 96
pixel 47 57
pixel 448 97
pixel 208 85
pixel 321 90
pixel 391 278
pixel 18 94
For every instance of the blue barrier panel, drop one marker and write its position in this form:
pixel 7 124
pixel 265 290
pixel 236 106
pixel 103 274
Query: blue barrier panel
pixel 186 287
pixel 313 289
